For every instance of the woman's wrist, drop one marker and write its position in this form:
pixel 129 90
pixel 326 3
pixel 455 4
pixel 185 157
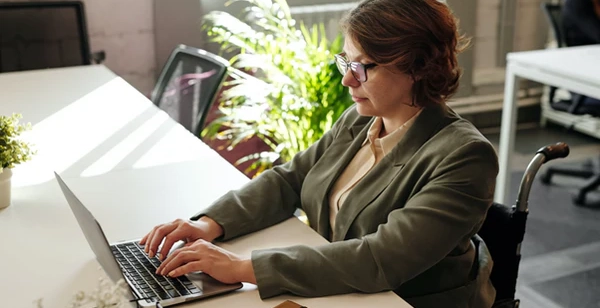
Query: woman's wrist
pixel 213 229
pixel 246 271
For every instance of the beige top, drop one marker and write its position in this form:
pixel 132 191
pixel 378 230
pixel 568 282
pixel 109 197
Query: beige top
pixel 371 152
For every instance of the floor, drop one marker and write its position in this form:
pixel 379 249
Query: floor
pixel 560 267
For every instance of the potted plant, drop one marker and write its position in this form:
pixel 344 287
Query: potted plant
pixel 297 94
pixel 13 151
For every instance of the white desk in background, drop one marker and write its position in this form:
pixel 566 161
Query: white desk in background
pixel 575 69
pixel 134 168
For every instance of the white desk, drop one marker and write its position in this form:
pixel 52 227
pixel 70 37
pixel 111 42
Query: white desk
pixel 134 168
pixel 576 69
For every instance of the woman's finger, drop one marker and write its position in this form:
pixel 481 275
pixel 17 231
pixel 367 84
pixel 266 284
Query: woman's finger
pixel 157 238
pixel 167 261
pixel 169 240
pixel 189 267
pixel 143 240
pixel 148 238
pixel 178 259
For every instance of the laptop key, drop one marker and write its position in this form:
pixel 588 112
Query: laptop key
pixel 155 285
pixel 194 290
pixel 155 261
pixel 163 295
pixel 182 290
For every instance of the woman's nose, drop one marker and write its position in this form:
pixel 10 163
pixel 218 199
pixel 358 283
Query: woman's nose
pixel 349 81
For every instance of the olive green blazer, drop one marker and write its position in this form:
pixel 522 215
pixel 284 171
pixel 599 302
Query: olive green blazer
pixel 408 226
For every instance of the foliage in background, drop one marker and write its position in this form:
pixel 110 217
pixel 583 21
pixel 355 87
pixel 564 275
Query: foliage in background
pixel 13 151
pixel 297 95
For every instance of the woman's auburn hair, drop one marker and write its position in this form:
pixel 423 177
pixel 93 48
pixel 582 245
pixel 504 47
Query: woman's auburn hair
pixel 419 37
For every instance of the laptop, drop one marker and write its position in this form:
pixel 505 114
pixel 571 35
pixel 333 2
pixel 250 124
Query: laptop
pixel 127 261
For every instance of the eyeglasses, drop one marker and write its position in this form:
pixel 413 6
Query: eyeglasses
pixel 359 70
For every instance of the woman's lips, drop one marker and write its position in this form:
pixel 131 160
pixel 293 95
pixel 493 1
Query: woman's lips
pixel 358 99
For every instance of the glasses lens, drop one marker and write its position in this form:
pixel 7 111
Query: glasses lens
pixel 341 64
pixel 359 72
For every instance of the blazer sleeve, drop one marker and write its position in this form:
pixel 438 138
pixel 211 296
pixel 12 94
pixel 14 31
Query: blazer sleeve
pixel 417 236
pixel 271 197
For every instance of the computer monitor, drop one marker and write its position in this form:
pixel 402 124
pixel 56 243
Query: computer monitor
pixel 38 35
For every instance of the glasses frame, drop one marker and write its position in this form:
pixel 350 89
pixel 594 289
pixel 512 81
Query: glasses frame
pixel 355 67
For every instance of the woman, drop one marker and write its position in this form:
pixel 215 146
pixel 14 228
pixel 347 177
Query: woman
pixel 400 185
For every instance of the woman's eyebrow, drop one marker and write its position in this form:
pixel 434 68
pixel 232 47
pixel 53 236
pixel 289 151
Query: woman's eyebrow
pixel 356 59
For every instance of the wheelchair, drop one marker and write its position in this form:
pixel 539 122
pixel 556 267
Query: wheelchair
pixel 504 229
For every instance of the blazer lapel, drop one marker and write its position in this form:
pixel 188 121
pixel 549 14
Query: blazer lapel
pixel 347 143
pixel 380 177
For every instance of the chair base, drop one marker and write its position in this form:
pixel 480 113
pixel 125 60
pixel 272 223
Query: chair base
pixel 591 172
pixel 513 303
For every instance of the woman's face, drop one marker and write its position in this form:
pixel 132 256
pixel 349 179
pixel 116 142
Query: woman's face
pixel 387 91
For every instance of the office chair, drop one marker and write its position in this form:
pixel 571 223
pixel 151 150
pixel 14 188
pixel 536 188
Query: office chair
pixel 553 13
pixel 188 85
pixel 39 35
pixel 504 229
pixel 591 170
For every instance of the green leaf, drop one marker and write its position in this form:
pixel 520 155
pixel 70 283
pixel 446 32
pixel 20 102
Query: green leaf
pixel 295 95
pixel 13 150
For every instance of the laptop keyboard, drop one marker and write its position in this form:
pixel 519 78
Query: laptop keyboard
pixel 140 270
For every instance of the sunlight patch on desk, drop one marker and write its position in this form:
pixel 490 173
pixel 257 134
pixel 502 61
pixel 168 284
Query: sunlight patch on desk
pixel 128 145
pixel 37 94
pixel 176 145
pixel 77 125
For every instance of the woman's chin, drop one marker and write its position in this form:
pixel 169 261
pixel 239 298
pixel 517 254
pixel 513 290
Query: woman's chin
pixel 364 110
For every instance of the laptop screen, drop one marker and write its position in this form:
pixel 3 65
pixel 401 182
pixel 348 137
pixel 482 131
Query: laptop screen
pixel 94 235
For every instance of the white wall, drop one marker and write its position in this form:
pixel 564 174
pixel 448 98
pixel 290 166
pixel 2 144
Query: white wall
pixel 530 30
pixel 138 35
pixel 125 31
pixel 531 27
pixel 485 42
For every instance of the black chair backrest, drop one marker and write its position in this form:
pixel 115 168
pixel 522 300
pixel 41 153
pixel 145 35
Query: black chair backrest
pixel 503 231
pixel 575 105
pixel 45 34
pixel 188 85
pixel 553 13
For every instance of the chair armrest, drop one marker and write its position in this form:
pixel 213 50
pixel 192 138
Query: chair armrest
pixel 98 57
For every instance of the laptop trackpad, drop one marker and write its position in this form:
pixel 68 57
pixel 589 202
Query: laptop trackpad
pixel 209 285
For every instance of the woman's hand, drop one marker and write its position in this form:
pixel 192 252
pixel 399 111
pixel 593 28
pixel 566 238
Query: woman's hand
pixel 215 261
pixel 179 230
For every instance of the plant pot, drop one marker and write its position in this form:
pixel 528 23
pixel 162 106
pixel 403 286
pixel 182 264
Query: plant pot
pixel 5 187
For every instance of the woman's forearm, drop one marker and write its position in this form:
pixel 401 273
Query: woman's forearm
pixel 213 229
